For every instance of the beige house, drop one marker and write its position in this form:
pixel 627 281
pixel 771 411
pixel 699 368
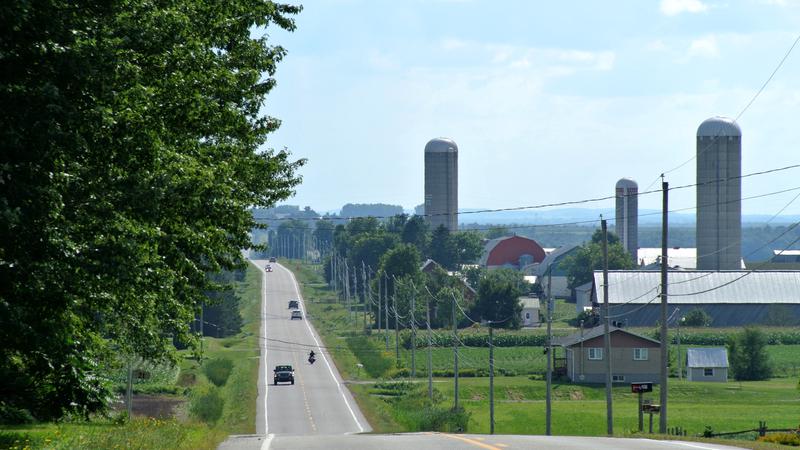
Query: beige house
pixel 633 357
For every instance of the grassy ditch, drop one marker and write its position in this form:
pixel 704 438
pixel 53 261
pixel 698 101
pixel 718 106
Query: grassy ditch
pixel 214 400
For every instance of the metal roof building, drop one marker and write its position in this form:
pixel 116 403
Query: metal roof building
pixel 731 298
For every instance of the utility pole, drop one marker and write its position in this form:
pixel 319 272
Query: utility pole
pixel 430 358
pixel 364 292
pixel 202 331
pixel 413 333
pixel 380 300
pixel 606 334
pixel 129 390
pixel 662 417
pixel 396 324
pixel 491 379
pixel 386 308
pixel 680 363
pixel 455 355
pixel 548 402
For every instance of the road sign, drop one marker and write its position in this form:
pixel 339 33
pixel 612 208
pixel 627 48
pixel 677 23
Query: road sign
pixel 645 386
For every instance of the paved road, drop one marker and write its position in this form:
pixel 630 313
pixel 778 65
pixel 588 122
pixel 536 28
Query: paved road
pixel 318 403
pixel 317 412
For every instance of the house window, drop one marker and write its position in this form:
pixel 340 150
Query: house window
pixel 617 378
pixel 640 354
pixel 595 353
pixel 708 372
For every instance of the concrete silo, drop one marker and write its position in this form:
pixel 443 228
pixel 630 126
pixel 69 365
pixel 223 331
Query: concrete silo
pixel 627 216
pixel 719 195
pixel 441 183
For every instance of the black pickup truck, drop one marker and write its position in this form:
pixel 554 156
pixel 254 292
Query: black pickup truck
pixel 283 374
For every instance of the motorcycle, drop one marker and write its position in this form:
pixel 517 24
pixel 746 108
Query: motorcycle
pixel 311 359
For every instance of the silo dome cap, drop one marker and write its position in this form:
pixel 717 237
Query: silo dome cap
pixel 626 183
pixel 719 126
pixel 441 145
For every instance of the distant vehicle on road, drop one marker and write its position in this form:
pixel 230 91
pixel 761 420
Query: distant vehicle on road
pixel 294 304
pixel 297 314
pixel 269 268
pixel 283 374
pixel 272 259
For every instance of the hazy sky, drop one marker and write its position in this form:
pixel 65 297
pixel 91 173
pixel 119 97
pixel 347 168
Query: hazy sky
pixel 547 101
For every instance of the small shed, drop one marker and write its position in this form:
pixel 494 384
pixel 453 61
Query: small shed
pixel 530 311
pixel 707 364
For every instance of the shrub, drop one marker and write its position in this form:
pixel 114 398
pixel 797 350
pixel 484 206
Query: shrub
pixel 697 318
pixel 206 405
pixel 401 372
pixel 218 370
pixel 10 415
pixel 792 439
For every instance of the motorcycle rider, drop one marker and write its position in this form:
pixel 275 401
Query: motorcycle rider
pixel 311 357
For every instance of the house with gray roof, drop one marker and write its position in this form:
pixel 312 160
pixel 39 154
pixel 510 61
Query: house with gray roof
pixel 707 364
pixel 731 297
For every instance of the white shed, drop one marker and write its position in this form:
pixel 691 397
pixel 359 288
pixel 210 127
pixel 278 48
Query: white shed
pixel 530 311
pixel 707 364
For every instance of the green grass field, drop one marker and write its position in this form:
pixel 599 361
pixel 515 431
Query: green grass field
pixel 520 400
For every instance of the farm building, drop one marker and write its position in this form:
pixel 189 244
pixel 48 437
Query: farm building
pixel 551 270
pixel 513 252
pixel 633 357
pixel 530 311
pixel 707 364
pixel 732 298
pixel 678 258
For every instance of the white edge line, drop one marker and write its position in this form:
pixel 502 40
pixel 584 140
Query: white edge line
pixel 686 444
pixel 263 346
pixel 313 336
pixel 267 441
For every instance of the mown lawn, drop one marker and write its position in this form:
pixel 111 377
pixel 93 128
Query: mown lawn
pixel 581 410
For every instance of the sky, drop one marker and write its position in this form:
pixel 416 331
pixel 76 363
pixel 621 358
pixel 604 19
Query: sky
pixel 547 101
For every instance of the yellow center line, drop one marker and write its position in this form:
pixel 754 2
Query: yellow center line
pixel 501 445
pixel 471 441
pixel 305 397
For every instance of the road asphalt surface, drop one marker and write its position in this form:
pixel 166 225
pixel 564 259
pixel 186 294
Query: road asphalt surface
pixel 318 412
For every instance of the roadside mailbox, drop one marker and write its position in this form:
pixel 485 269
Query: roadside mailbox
pixel 640 388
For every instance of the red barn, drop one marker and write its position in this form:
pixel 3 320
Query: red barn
pixel 511 251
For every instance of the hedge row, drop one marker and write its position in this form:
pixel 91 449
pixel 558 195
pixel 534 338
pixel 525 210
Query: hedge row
pixel 710 338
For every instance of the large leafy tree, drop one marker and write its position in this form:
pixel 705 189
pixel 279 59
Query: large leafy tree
pixel 130 136
pixel 581 264
pixel 442 248
pixel 748 355
pixel 498 298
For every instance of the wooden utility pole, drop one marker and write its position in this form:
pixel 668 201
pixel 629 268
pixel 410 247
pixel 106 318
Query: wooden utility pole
pixel 491 379
pixel 430 357
pixel 455 355
pixel 662 417
pixel 549 350
pixel 413 332
pixel 396 324
pixel 380 300
pixel 364 292
pixel 606 334
pixel 386 308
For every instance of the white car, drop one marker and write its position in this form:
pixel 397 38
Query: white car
pixel 297 314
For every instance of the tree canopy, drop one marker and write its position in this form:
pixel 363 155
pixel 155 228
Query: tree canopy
pixel 131 142
pixel 581 264
pixel 498 298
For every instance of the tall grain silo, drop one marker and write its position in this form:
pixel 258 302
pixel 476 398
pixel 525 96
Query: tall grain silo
pixel 441 183
pixel 719 195
pixel 627 216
